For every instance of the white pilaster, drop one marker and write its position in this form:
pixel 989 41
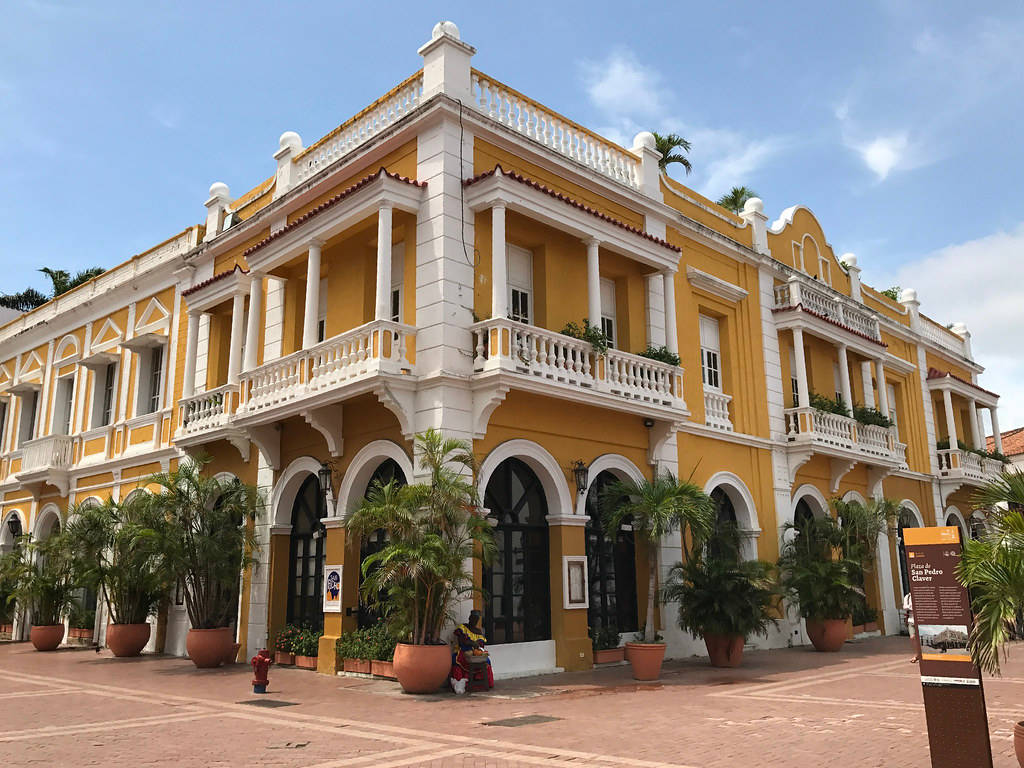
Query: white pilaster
pixel 290 145
pixel 311 311
pixel 997 436
pixel 972 414
pixel 237 329
pixel 844 376
pixel 446 64
pixel 216 205
pixel 499 263
pixel 947 402
pixel 883 390
pixel 803 395
pixel 383 306
pixel 645 148
pixel 188 386
pixel 594 282
pixel 850 262
pixel 671 330
pixel 869 389
pixel 753 214
pixel 655 308
pixel 252 331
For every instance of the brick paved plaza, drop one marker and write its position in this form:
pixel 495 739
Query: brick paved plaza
pixel 789 707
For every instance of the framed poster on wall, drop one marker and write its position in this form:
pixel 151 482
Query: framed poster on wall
pixel 332 589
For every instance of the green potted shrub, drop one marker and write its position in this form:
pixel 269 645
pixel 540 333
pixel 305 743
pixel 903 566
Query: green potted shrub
pixel 355 652
pixel 284 645
pixel 81 621
pixel 415 581
pixel 210 543
pixel 820 579
pixel 121 552
pixel 382 651
pixel 722 597
pixel 44 585
pixel 605 641
pixel 307 648
pixel 655 508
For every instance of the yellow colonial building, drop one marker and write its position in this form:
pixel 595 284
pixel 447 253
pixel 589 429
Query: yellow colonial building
pixel 415 268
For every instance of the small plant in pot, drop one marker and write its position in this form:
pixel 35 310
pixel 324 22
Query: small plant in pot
pixel 722 597
pixel 44 585
pixel 381 648
pixel 354 651
pixel 822 582
pixel 121 552
pixel 656 508
pixel 284 645
pixel 434 530
pixel 605 641
pixel 307 648
pixel 211 542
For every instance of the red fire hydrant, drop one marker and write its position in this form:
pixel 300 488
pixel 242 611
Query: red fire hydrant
pixel 260 667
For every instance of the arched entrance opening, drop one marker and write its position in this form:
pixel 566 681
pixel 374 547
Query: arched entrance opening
pixel 306 557
pixel 907 519
pixel 387 472
pixel 803 514
pixel 611 565
pixel 517 581
pixel 955 519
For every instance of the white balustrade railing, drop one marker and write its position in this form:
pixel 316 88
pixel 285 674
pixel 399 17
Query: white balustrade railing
pixel 716 410
pixel 371 121
pixel 957 463
pixel 819 299
pixel 207 410
pixel 558 359
pixel 525 116
pixel 809 425
pixel 377 347
pixel 942 337
pixel 54 452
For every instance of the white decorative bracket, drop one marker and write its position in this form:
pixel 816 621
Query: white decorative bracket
pixel 327 420
pixel 658 435
pixel 796 459
pixel 402 403
pixel 267 439
pixel 840 469
pixel 485 401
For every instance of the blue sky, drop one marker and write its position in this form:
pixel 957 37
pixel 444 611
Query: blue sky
pixel 894 121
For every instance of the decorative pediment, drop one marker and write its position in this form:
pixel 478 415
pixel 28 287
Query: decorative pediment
pixel 67 348
pixel 109 335
pixel 715 285
pixel 5 375
pixel 155 317
pixel 31 366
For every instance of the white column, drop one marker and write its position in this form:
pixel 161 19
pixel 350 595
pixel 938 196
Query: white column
pixel 972 414
pixel 997 436
pixel 235 350
pixel 312 308
pixel 593 282
pixel 499 264
pixel 883 391
pixel 803 396
pixel 188 386
pixel 869 392
pixel 947 401
pixel 383 263
pixel 252 331
pixel 844 377
pixel 671 332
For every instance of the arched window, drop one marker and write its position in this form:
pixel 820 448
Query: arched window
pixel 384 474
pixel 305 591
pixel 517 582
pixel 611 565
pixel 803 513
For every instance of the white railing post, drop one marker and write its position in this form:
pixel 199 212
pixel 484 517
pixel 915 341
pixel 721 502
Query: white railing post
pixel 290 145
pixel 446 64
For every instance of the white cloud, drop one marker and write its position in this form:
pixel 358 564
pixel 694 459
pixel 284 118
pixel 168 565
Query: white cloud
pixel 620 85
pixel 884 153
pixel 974 282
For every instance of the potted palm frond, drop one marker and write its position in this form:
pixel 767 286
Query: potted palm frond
pixel 655 508
pixel 211 541
pixel 43 585
pixel 992 568
pixel 434 529
pixel 820 579
pixel 722 597
pixel 121 552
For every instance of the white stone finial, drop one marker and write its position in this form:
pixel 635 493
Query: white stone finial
pixel 908 295
pixel 445 28
pixel 753 205
pixel 849 259
pixel 290 140
pixel 219 190
pixel 959 328
pixel 644 139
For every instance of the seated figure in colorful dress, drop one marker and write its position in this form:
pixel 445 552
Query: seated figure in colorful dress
pixel 469 646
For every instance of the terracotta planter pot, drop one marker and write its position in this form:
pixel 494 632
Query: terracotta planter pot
pixel 422 668
pixel 126 640
pixel 724 650
pixel 208 647
pixel 383 669
pixel 646 658
pixel 858 628
pixel 609 655
pixel 231 655
pixel 284 659
pixel 305 662
pixel 358 666
pixel 871 626
pixel 1018 742
pixel 46 638
pixel 827 635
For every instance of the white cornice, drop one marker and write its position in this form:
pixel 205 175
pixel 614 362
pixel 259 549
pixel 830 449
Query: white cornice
pixel 715 285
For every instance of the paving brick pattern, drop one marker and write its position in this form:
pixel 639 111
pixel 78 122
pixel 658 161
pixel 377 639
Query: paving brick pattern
pixel 792 708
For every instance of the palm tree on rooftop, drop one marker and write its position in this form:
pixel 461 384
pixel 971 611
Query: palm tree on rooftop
pixel 667 145
pixel 61 282
pixel 736 198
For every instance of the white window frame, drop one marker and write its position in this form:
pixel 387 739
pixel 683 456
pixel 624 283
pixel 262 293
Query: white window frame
pixel 524 287
pixel 397 280
pixel 711 368
pixel 146 400
pixel 837 383
pixel 890 390
pixel 608 315
pixel 98 418
pixel 321 315
pixel 63 406
pixel 824 269
pixel 5 412
pixel 794 382
pixel 27 413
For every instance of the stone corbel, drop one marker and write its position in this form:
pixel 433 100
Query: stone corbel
pixel 402 403
pixel 840 469
pixel 796 459
pixel 485 401
pixel 875 477
pixel 948 488
pixel 659 434
pixel 267 439
pixel 241 444
pixel 327 420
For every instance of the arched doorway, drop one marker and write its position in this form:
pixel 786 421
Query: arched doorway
pixel 517 582
pixel 389 470
pixel 954 519
pixel 803 514
pixel 907 519
pixel 611 565
pixel 306 557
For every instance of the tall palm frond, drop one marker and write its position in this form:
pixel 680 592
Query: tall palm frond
pixel 736 198
pixel 667 144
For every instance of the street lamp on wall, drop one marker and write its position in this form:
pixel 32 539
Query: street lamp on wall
pixel 14 525
pixel 323 476
pixel 581 473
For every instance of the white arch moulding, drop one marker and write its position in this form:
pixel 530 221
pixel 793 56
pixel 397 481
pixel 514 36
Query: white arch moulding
pixel 6 539
pixel 68 341
pixel 911 507
pixel 550 474
pixel 854 496
pixel 618 465
pixel 286 489
pixel 46 518
pixel 952 510
pixel 361 469
pixel 743 503
pixel 817 501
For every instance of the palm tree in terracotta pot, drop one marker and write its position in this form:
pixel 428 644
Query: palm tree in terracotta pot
pixel 992 568
pixel 722 597
pixel 44 585
pixel 121 552
pixel 211 542
pixel 656 508
pixel 817 576
pixel 415 581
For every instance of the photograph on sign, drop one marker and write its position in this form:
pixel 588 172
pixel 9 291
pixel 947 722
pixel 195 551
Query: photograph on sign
pixel 945 638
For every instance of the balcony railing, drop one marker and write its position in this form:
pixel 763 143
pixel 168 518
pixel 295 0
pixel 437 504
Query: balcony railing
pixel 956 464
pixel 716 410
pixel 207 410
pixel 506 345
pixel 942 337
pixel 811 426
pixel 819 300
pixel 46 453
pixel 378 347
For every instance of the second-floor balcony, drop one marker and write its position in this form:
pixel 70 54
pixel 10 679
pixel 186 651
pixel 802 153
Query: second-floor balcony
pixel 823 303
pixel 46 460
pixel 967 466
pixel 560 365
pixel 843 437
